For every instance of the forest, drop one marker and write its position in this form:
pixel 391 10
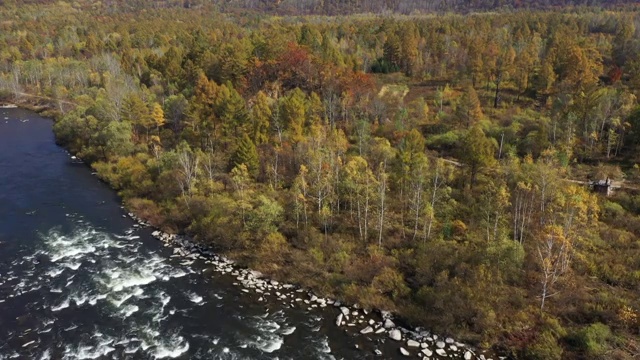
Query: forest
pixel 436 166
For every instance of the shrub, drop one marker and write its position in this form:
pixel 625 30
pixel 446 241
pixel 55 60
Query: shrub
pixel 592 339
pixel 273 247
pixel 545 347
pixel 147 210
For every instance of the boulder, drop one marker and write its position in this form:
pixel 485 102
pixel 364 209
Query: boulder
pixel 449 341
pixel 366 330
pixel 440 344
pixel 377 352
pixel 468 355
pixel 453 348
pixel 380 330
pixel 404 352
pixel 441 352
pixel 388 324
pixel 427 352
pixel 339 319
pixel 395 335
pixel 413 343
pixel 345 310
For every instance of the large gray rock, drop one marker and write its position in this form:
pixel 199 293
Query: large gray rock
pixel 404 352
pixel 395 335
pixel 388 324
pixel 413 343
pixel 441 352
pixel 468 355
pixel 366 330
pixel 440 344
pixel 339 320
pixel 345 310
pixel 427 352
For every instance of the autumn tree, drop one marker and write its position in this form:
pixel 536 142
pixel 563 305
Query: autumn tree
pixel 361 187
pixel 476 152
pixel 261 117
pixel 469 109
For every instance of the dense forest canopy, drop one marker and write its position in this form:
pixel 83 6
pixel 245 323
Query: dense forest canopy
pixel 431 165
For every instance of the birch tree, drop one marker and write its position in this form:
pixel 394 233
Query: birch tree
pixel 361 184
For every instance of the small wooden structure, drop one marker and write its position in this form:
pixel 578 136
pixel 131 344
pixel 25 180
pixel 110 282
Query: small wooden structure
pixel 602 186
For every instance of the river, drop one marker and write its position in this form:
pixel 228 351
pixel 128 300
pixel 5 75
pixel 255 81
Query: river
pixel 81 280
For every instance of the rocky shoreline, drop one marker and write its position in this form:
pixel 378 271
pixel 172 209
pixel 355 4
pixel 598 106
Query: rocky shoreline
pixel 377 325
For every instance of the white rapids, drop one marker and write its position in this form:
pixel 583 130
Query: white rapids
pixel 89 268
pixel 91 273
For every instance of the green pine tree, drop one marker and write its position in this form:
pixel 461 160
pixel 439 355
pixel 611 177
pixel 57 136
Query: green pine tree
pixel 247 154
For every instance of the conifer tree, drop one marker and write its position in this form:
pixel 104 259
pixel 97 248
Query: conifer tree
pixel 247 154
pixel 469 109
pixel 476 151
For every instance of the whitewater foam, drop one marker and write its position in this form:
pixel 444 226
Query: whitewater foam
pixel 63 305
pixel 194 298
pixel 129 310
pixel 162 352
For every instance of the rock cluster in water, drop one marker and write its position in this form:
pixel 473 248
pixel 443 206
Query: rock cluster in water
pixel 375 325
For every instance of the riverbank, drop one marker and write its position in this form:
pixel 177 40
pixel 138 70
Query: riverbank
pixel 363 324
pixel 370 325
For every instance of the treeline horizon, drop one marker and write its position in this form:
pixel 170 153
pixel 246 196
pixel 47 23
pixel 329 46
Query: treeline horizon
pixel 337 7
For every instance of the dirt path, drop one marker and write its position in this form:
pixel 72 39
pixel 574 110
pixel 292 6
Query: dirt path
pixel 44 98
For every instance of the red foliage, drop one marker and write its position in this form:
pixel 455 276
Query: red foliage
pixel 615 74
pixel 296 68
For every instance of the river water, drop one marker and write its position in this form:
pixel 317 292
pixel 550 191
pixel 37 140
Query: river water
pixel 80 280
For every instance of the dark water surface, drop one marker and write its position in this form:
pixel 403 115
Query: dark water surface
pixel 79 281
